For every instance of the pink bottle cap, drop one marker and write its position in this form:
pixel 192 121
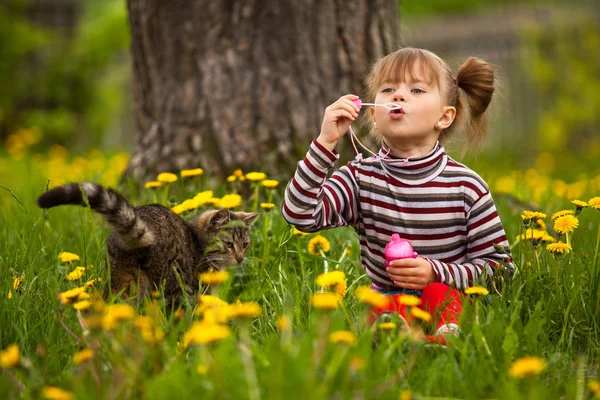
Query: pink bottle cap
pixel 358 102
pixel 399 248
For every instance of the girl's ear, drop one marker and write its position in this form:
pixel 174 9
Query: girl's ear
pixel 372 112
pixel 446 119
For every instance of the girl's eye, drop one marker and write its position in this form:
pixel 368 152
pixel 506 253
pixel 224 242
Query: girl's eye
pixel 387 90
pixel 418 91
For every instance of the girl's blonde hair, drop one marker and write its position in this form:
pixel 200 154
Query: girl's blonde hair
pixel 475 77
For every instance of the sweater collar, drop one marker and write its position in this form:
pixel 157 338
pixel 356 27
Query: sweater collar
pixel 413 171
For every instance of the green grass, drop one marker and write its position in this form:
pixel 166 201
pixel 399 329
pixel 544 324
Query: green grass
pixel 536 315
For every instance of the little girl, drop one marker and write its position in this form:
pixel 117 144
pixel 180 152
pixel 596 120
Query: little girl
pixel 411 187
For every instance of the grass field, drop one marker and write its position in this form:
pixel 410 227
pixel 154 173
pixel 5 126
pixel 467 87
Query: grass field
pixel 278 343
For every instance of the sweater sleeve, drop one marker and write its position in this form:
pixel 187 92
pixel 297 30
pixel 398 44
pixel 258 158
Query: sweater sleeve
pixel 487 248
pixel 311 201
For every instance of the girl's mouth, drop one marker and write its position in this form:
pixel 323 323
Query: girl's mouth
pixel 397 113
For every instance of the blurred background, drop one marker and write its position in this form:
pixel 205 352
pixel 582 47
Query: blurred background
pixel 66 77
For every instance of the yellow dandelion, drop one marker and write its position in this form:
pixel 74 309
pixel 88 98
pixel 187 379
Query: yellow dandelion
pixel 238 172
pixel 318 244
pixel 114 314
pixel 369 296
pixel 420 314
pixel 206 301
pixel 68 257
pixel 527 366
pixel 152 184
pixel 330 279
pixel 245 310
pixel 300 233
pixel 477 291
pixel 76 274
pixel 191 172
pixel 92 282
pixel 579 204
pixel 325 301
pixel 409 300
pixel 270 183
pixel 267 206
pixel 202 369
pixel 82 305
pixel 594 387
pixel 405 395
pixel 562 213
pixel 256 176
pixel 357 364
pixel 536 235
pixel 532 216
pixel 179 313
pixel 71 295
pixel 541 224
pixel 10 357
pixel 566 224
pixel 230 201
pixel 203 197
pixel 214 278
pixel 559 248
pixel 155 294
pixel 341 288
pixel 10 295
pixel 82 356
pixel 202 333
pixel 54 393
pixel 594 202
pixel 16 283
pixel 387 326
pixel 166 177
pixel 283 323
pixel 344 337
pixel 231 178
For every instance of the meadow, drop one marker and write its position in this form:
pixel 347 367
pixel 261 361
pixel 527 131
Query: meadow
pixel 278 326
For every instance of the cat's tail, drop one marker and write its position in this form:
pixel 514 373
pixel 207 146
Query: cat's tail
pixel 119 213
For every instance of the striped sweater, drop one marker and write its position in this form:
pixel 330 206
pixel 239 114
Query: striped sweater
pixel 441 206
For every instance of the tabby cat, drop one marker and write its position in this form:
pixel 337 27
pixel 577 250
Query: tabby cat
pixel 150 245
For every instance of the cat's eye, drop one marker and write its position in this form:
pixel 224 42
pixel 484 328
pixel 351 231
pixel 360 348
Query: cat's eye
pixel 229 245
pixel 246 244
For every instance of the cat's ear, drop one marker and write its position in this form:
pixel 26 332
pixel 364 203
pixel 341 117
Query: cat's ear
pixel 218 219
pixel 248 218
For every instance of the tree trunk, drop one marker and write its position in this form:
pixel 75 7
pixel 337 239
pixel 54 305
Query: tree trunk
pixel 243 84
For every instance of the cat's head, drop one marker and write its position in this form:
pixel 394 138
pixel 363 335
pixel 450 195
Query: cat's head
pixel 224 235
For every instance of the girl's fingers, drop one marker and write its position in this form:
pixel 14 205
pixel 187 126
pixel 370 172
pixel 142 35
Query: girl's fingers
pixel 346 105
pixel 413 286
pixel 343 114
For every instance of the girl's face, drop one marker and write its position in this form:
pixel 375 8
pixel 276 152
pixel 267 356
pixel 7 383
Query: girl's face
pixel 422 112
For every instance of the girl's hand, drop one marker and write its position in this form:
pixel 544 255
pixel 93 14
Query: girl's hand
pixel 411 273
pixel 337 119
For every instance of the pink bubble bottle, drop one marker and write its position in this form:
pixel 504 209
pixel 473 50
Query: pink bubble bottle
pixel 397 249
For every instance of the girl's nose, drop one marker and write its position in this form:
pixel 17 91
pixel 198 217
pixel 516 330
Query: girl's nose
pixel 398 97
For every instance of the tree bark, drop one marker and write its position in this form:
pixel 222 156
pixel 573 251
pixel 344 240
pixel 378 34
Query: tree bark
pixel 243 84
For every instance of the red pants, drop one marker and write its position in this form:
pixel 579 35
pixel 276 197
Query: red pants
pixel 441 301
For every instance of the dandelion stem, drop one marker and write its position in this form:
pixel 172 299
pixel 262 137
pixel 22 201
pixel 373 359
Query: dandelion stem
pixel 537 258
pixel 556 275
pixel 348 319
pixel 69 331
pixel 253 390
pixel 594 266
pixel 325 263
pixel 323 328
pixel 256 193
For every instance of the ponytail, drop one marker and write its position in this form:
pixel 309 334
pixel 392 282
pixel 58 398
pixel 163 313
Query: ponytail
pixel 476 78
